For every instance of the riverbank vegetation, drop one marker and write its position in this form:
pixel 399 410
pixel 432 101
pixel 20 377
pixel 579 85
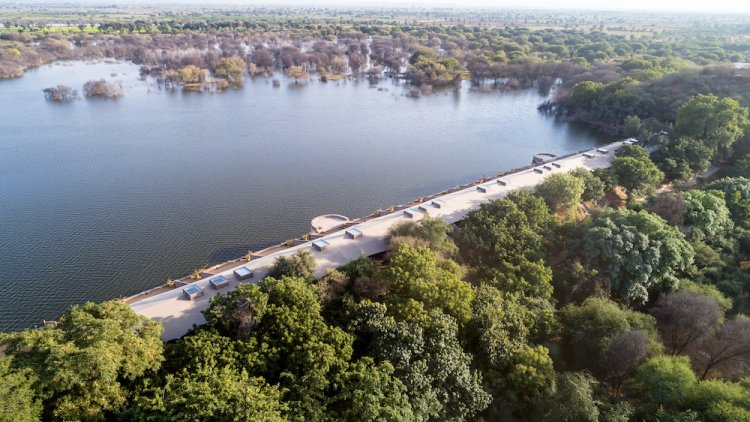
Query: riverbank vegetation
pixel 613 295
pixel 497 48
pixel 618 294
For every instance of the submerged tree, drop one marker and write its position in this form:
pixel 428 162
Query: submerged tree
pixel 102 88
pixel 60 93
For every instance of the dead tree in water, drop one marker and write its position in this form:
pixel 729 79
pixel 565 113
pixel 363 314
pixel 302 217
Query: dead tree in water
pixel 60 93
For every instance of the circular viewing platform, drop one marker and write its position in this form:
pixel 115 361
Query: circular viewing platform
pixel 326 222
pixel 542 157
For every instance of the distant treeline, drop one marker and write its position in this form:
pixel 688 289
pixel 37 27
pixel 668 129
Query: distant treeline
pixel 429 54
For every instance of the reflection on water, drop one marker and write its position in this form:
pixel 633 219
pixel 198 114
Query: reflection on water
pixel 101 198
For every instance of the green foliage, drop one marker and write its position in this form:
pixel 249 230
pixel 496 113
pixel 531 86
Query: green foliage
pixel 590 327
pixel 204 348
pixel 637 251
pixel 611 103
pixel 302 264
pixel 501 325
pixel 18 401
pixel 416 273
pixel 737 196
pixel 707 215
pixel 529 375
pixel 634 169
pixel 683 158
pixel 505 239
pixel 231 68
pixel 370 392
pixel 502 231
pixel 428 359
pixel 721 400
pixel 289 338
pixel 529 278
pixel 593 187
pixel 572 400
pixel 434 232
pixel 665 381
pixel 192 74
pixel 210 394
pixel 561 191
pixel 717 122
pixel 85 363
pixel 236 313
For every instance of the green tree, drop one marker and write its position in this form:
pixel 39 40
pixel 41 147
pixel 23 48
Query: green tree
pixel 504 230
pixel 231 68
pixel 237 313
pixel 210 394
pixel 721 400
pixel 707 216
pixel 296 72
pixel 370 392
pixel 18 401
pixel 737 196
pixel 500 326
pixel 427 358
pixel 664 381
pixel 84 365
pixel 530 374
pixel 634 169
pixel 301 264
pixel 192 74
pixel 683 158
pixel 593 187
pixel 416 273
pixel 589 328
pixel 434 232
pixel 289 343
pixel 204 348
pixel 572 399
pixel 561 191
pixel 637 251
pixel 717 122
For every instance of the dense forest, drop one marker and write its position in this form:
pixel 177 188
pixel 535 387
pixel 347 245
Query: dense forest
pixel 613 295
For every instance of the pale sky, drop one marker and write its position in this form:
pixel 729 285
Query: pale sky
pixel 716 6
pixel 704 6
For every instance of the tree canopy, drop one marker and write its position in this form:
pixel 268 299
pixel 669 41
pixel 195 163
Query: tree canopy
pixel 637 251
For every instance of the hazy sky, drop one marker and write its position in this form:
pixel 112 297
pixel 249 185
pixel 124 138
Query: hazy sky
pixel 716 6
pixel 672 5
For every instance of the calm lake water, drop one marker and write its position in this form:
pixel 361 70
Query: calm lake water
pixel 103 198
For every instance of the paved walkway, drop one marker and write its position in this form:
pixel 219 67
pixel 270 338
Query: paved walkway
pixel 178 314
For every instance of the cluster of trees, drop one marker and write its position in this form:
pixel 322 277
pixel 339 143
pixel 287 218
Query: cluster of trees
pixel 424 53
pixel 60 93
pixel 623 103
pixel 102 88
pixel 562 304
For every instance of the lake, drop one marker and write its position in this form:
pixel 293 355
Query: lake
pixel 102 198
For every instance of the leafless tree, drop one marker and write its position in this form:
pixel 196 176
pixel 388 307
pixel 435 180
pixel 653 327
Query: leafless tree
pixel 726 353
pixel 684 318
pixel 60 93
pixel 102 88
pixel 625 352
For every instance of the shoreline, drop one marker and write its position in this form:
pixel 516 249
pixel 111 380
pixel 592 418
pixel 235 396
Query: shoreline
pixel 217 268
pixel 178 314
